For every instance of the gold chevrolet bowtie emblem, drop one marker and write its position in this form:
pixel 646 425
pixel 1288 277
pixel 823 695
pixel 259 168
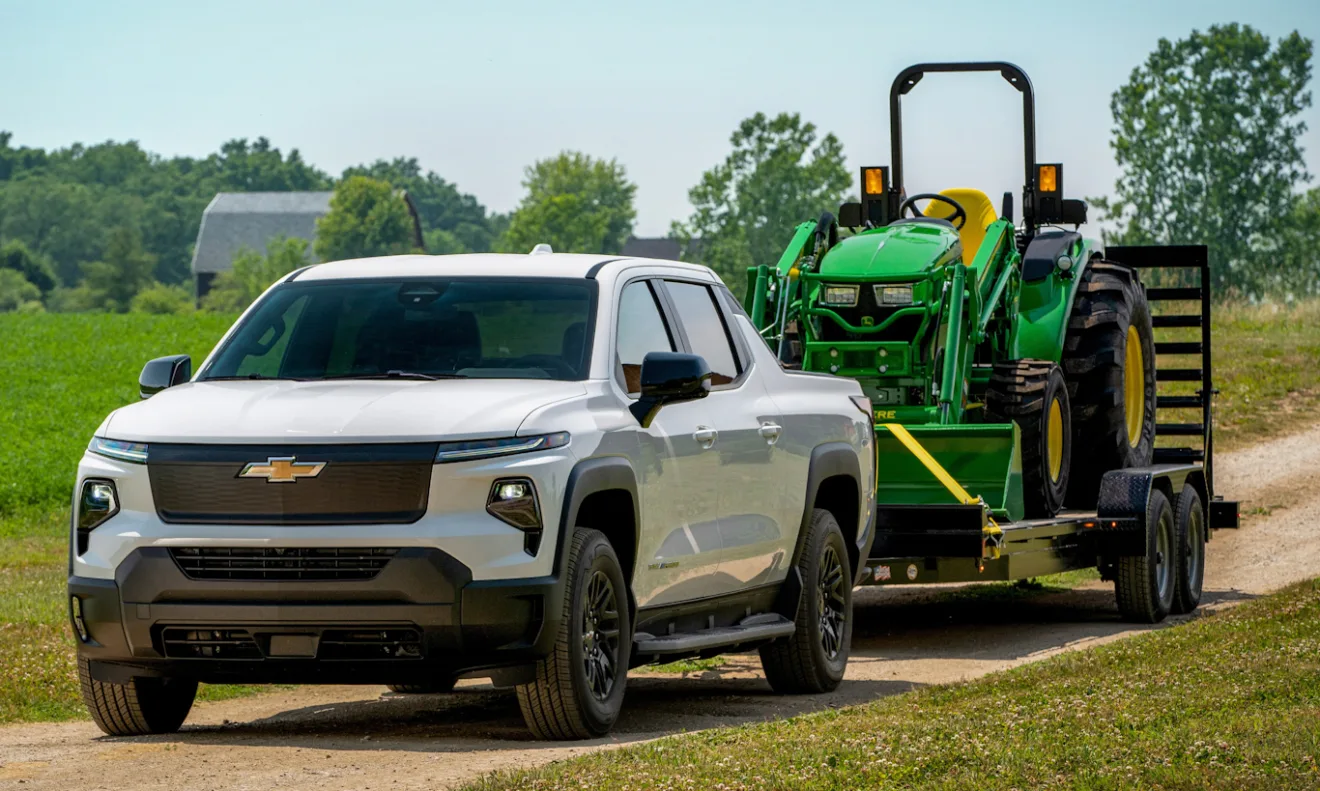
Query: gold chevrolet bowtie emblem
pixel 282 469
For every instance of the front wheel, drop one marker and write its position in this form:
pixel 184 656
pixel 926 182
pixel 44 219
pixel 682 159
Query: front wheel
pixel 813 659
pixel 1034 394
pixel 140 707
pixel 578 689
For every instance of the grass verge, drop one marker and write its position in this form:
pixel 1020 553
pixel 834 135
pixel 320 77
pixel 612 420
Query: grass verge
pixel 1229 701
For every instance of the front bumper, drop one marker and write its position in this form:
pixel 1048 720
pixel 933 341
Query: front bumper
pixel 421 618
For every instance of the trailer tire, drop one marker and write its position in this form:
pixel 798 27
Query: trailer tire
pixel 1113 411
pixel 1034 394
pixel 813 658
pixel 1144 584
pixel 141 707
pixel 564 700
pixel 1189 524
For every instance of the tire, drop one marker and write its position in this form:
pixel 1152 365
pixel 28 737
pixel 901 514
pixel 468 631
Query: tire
pixel 1189 524
pixel 1034 394
pixel 436 687
pixel 1113 410
pixel 1145 583
pixel 813 659
pixel 141 707
pixel 568 700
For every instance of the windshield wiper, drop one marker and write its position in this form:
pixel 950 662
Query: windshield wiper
pixel 398 375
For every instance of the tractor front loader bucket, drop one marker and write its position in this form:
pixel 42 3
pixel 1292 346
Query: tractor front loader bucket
pixel 915 464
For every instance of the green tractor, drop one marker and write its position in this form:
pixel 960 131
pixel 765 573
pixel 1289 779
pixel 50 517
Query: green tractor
pixel 1008 364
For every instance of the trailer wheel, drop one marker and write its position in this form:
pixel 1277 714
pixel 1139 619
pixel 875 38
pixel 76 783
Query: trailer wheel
pixel 140 707
pixel 1034 394
pixel 813 659
pixel 578 689
pixel 1145 584
pixel 1109 360
pixel 1189 524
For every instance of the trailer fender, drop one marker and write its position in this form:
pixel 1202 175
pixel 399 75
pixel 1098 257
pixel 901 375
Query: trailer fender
pixel 1124 497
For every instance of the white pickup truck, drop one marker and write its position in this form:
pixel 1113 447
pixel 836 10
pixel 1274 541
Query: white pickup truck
pixel 542 470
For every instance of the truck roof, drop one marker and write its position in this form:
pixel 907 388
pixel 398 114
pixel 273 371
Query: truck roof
pixel 487 264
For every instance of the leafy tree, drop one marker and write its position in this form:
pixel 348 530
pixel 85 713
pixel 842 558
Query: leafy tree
pixel 1207 133
pixel 162 299
pixel 259 167
pixel 16 292
pixel 367 218
pixel 574 203
pixel 778 175
pixel 454 222
pixel 36 269
pixel 1296 265
pixel 125 270
pixel 253 273
pixel 55 218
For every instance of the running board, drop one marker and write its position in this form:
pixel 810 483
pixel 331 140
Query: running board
pixel 753 628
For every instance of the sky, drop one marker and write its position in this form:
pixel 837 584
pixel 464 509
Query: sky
pixel 476 91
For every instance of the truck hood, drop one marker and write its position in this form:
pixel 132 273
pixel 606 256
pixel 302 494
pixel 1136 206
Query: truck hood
pixel 338 411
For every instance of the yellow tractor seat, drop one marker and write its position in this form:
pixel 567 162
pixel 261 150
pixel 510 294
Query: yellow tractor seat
pixel 980 214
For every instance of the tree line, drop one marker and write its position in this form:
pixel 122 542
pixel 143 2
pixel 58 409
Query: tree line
pixel 1206 135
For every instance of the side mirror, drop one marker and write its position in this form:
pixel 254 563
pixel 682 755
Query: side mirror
pixel 668 378
pixel 164 372
pixel 1074 211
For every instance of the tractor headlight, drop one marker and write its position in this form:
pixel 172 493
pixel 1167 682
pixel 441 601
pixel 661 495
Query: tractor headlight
pixel 840 296
pixel 893 295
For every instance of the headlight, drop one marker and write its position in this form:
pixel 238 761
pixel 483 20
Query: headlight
pixel 513 501
pixel 842 296
pixel 468 450
pixel 893 295
pixel 97 502
pixel 135 452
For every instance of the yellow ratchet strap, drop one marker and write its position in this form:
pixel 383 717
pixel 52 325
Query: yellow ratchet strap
pixel 928 461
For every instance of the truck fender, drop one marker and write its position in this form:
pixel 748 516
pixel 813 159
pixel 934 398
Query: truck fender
pixel 827 461
pixel 588 477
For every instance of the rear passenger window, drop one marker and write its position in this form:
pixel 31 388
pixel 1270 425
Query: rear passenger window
pixel 641 330
pixel 705 329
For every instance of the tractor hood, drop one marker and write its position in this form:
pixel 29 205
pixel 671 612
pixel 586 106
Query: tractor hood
pixel 895 253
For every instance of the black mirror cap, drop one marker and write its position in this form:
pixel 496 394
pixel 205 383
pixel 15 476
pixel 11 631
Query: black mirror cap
pixel 1073 211
pixel 1006 212
pixel 164 372
pixel 669 377
pixel 850 215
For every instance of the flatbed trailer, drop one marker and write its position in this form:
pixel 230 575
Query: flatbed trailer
pixel 1150 526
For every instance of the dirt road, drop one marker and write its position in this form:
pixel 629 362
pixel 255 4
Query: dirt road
pixel 364 738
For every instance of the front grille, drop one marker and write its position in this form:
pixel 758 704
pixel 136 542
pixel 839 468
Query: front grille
pixel 370 644
pixel 276 564
pixel 187 643
pixel 355 484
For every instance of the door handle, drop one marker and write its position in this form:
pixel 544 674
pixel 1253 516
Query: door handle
pixel 771 432
pixel 705 435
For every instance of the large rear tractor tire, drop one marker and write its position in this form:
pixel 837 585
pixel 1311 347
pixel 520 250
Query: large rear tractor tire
pixel 813 659
pixel 140 707
pixel 1109 363
pixel 578 689
pixel 1034 394
pixel 1145 584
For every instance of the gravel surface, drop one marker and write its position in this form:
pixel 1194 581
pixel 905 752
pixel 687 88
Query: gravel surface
pixel 366 738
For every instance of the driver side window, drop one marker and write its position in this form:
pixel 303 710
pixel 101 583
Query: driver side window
pixel 641 329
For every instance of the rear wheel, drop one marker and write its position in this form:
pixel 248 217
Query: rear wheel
pixel 814 657
pixel 578 689
pixel 1033 394
pixel 1189 524
pixel 1109 362
pixel 1145 584
pixel 139 707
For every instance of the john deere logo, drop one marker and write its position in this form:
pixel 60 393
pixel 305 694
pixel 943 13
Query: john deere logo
pixel 282 469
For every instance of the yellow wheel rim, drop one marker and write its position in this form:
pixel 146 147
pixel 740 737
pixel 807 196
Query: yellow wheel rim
pixel 1134 387
pixel 1055 440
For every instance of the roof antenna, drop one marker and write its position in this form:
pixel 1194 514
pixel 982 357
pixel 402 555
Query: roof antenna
pixel 541 249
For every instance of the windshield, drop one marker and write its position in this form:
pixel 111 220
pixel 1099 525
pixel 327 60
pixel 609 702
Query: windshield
pixel 479 328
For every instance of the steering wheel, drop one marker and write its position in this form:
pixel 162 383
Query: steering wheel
pixel 958 212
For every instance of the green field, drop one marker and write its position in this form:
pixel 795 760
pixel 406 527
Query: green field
pixel 61 374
